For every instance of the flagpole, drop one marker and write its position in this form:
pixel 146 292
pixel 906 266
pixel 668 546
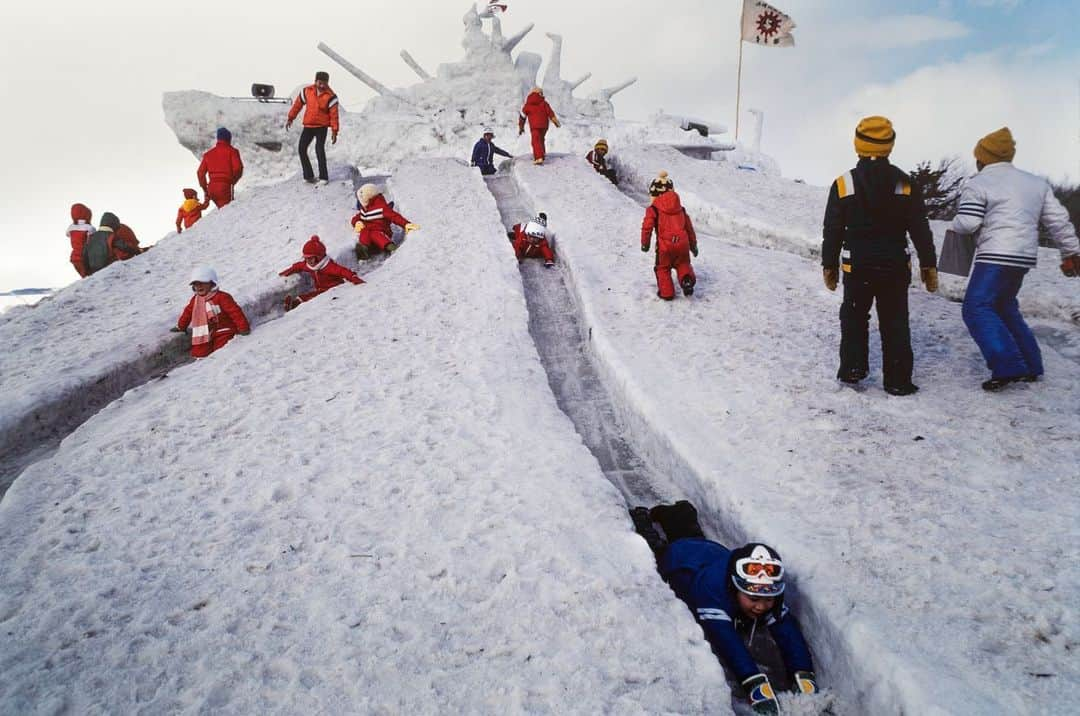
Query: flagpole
pixel 738 88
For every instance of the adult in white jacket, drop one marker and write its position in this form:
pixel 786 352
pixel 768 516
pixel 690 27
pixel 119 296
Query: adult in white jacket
pixel 1005 206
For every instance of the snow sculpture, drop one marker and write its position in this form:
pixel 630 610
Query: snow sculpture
pixel 441 115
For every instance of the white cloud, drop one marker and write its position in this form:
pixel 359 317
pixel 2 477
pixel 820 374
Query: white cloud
pixel 891 32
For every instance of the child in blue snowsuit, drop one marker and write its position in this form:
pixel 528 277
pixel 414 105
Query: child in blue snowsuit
pixel 727 589
pixel 484 151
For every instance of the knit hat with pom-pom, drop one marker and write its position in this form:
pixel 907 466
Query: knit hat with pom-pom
pixel 660 184
pixel 314 247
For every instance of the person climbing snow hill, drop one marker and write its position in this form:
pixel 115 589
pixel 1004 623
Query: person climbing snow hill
pixel 731 593
pixel 220 169
pixel 373 223
pixel 600 161
pixel 531 239
pixel 214 316
pixel 80 230
pixel 675 238
pixel 190 211
pixel 538 113
pixel 326 272
pixel 112 241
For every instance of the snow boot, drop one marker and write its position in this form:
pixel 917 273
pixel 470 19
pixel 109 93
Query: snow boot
pixel 643 526
pixel 538 160
pixel 851 375
pixel 687 286
pixel 549 264
pixel 391 248
pixel 291 302
pixel 322 182
pixel 679 521
pixel 309 180
pixel 995 384
pixel 362 253
pixel 909 389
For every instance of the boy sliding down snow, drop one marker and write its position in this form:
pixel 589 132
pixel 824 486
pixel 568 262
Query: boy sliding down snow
pixel 326 272
pixel 372 223
pixel 531 239
pixel 729 592
pixel 213 315
pixel 675 238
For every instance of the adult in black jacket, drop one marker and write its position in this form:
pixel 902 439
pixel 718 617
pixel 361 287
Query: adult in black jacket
pixel 872 210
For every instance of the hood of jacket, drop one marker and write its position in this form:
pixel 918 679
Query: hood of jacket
pixel 80 211
pixel 110 220
pixel 668 203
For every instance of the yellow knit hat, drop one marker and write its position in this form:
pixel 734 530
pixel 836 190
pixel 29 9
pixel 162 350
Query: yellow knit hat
pixel 601 143
pixel 874 137
pixel 996 147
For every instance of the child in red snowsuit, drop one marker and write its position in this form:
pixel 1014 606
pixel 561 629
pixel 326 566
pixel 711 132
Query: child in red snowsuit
pixel 326 272
pixel 538 112
pixel 530 239
pixel 213 315
pixel 191 210
pixel 78 232
pixel 675 238
pixel 220 169
pixel 372 223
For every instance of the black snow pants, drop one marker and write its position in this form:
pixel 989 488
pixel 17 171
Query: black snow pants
pixel 888 286
pixel 319 135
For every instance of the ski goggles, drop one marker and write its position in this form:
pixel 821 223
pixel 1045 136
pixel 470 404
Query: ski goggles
pixel 756 569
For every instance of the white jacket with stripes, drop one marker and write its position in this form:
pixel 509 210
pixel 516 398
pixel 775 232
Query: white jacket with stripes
pixel 1005 205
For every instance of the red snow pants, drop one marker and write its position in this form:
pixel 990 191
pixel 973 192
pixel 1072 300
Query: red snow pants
pixel 539 152
pixel 672 254
pixel 373 238
pixel 221 193
pixel 523 249
pixel 78 240
pixel 218 339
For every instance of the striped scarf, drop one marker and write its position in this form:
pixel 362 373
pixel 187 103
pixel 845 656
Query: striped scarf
pixel 202 315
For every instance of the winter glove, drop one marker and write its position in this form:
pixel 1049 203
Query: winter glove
pixel 693 250
pixel 358 227
pixel 555 121
pixel 831 276
pixel 176 329
pixel 645 247
pixel 288 123
pixel 1070 266
pixel 805 683
pixel 929 278
pixel 409 228
pixel 333 138
pixel 760 696
pixel 521 130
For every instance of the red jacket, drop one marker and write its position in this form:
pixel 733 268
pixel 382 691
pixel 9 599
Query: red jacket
pixel 124 245
pixel 537 111
pixel 78 233
pixel 189 212
pixel 333 274
pixel 320 109
pixel 229 319
pixel 668 217
pixel 220 165
pixel 378 215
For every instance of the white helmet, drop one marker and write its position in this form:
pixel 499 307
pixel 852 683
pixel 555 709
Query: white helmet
pixel 535 230
pixel 204 274
pixel 366 193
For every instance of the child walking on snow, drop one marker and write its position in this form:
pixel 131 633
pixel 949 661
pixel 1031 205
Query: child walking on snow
pixel 675 238
pixel 191 210
pixel 326 272
pixel 213 315
pixel 372 223
pixel 537 112
pixel 79 231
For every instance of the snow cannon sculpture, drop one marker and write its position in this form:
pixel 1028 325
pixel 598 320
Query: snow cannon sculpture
pixel 441 115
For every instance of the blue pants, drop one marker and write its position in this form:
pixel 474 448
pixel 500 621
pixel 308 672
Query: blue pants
pixel 992 315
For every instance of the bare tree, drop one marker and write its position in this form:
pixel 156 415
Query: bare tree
pixel 940 186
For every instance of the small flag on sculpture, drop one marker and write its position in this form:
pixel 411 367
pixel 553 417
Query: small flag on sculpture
pixel 765 25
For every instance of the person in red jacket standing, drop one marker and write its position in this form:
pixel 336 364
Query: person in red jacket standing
pixel 326 272
pixel 78 233
pixel 213 315
pixel 675 238
pixel 372 223
pixel 220 169
pixel 190 211
pixel 320 113
pixel 538 112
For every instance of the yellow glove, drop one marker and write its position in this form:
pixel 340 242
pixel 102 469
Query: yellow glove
pixel 831 276
pixel 929 278
pixel 409 228
pixel 555 121
pixel 358 226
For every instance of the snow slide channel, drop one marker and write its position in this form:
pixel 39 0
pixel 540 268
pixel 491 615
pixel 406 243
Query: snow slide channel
pixel 76 351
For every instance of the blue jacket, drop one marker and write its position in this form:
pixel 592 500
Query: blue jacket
pixel 697 569
pixel 483 154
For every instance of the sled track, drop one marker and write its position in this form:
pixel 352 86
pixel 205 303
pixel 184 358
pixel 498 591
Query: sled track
pixel 51 422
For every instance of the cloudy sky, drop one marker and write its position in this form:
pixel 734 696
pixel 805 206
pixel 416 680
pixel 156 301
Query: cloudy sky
pixel 84 84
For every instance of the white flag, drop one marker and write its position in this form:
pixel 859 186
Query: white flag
pixel 765 25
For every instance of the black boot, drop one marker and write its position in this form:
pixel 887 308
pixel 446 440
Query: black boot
pixel 679 521
pixel 643 526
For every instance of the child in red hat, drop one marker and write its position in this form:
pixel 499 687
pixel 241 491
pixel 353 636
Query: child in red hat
pixel 326 272
pixel 190 211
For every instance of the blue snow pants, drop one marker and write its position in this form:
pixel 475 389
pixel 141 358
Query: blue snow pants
pixel 992 315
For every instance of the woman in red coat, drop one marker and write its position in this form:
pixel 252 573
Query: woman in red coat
pixel 373 222
pixel 213 315
pixel 675 238
pixel 537 111
pixel 326 272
